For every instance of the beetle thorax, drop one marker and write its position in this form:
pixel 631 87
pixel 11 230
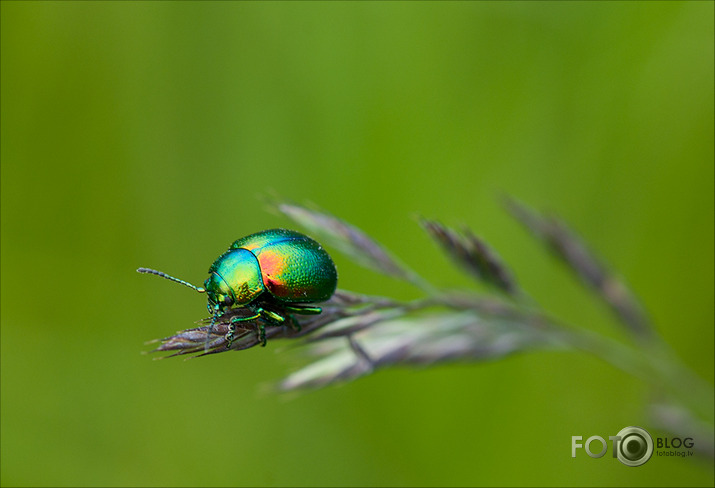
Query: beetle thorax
pixel 234 279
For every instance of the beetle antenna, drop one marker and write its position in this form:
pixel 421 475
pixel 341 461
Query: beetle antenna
pixel 171 278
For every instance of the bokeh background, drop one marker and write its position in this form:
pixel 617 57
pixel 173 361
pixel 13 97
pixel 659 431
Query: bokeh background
pixel 150 134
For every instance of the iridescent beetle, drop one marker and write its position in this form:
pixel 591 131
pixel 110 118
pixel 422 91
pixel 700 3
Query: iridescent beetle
pixel 270 273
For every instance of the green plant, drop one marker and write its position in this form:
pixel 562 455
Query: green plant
pixel 357 334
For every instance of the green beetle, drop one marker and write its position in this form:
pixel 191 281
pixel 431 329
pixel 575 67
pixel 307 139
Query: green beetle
pixel 270 273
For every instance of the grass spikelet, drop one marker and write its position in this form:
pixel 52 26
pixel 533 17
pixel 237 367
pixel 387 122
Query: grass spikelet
pixel 571 250
pixel 473 254
pixel 357 335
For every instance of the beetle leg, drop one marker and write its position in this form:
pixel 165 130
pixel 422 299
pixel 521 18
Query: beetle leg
pixel 262 334
pixel 270 316
pixel 210 330
pixel 303 310
pixel 229 336
pixel 232 327
pixel 294 324
pixel 273 316
pixel 243 319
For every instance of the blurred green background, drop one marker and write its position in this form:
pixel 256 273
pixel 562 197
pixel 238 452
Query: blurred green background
pixel 148 134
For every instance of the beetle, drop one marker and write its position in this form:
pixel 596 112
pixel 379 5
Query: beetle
pixel 271 273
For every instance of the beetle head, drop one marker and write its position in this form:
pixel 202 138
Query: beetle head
pixel 220 295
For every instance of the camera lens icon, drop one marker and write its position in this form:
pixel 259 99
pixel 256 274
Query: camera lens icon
pixel 635 446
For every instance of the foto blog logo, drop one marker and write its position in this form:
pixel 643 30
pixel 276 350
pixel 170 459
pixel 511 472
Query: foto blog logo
pixel 633 446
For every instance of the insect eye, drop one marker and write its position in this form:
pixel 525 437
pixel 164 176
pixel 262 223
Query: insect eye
pixel 226 300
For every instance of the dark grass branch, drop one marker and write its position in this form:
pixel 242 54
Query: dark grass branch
pixel 573 252
pixel 472 255
pixel 356 334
